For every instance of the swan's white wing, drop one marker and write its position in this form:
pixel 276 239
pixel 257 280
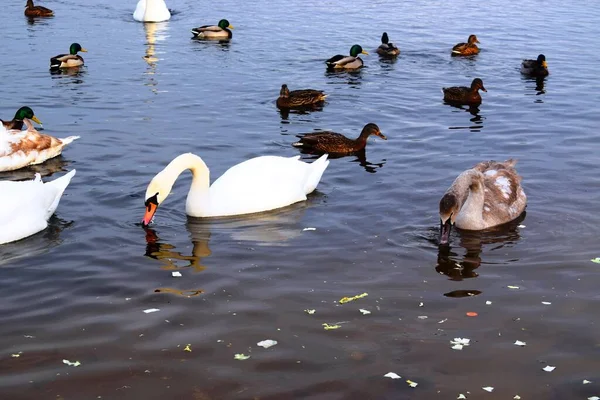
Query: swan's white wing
pixel 140 9
pixel 26 206
pixel 152 11
pixel 259 184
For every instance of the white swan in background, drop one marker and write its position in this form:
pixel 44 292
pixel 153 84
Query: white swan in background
pixel 25 207
pixel 19 148
pixel 151 11
pixel 258 184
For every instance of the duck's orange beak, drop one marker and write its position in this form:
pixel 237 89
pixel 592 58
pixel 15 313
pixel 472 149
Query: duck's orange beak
pixel 150 211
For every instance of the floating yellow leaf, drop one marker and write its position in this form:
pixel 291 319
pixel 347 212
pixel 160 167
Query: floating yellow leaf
pixel 241 356
pixel 596 260
pixel 349 299
pixel 188 347
pixel 328 327
pixel 411 383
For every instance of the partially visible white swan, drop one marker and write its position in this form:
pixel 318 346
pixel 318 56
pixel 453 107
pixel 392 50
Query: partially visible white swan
pixel 259 184
pixel 151 11
pixel 25 207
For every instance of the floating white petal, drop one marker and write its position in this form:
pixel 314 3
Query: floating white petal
pixel 392 375
pixel 548 368
pixel 267 343
pixel 488 389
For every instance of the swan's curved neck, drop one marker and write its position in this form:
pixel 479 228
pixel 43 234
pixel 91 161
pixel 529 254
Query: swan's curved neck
pixel 470 189
pixel 200 172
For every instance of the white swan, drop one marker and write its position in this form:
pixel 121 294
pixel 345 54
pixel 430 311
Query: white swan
pixel 25 207
pixel 151 11
pixel 19 148
pixel 259 184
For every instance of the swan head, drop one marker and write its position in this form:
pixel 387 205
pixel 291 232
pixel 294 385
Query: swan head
pixel 157 191
pixel 449 209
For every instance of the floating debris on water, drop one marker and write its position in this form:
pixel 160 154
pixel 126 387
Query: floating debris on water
pixel 411 383
pixel 459 343
pixel 310 311
pixel 151 310
pixel 72 364
pixel 519 343
pixel 363 311
pixel 267 343
pixel 549 368
pixel 328 327
pixel 241 356
pixel 176 274
pixel 188 347
pixel 392 375
pixel 344 300
pixel 488 389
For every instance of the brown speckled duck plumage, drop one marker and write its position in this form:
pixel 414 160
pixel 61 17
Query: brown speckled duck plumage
pixel 299 98
pixel 463 94
pixel 37 11
pixel 335 143
pixel 466 49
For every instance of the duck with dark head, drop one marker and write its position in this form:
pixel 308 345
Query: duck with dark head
pixel 462 95
pixel 336 143
pixel 37 11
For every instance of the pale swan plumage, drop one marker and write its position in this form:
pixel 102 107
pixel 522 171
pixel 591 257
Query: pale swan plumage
pixel 258 184
pixel 20 148
pixel 487 195
pixel 25 207
pixel 151 11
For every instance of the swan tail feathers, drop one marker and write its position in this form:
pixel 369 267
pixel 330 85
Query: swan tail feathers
pixel 316 172
pixel 59 185
pixel 68 140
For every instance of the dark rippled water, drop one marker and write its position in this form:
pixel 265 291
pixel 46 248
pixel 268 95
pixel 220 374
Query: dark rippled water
pixel 77 291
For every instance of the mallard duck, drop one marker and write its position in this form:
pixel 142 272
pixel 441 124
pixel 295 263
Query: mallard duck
pixel 347 62
pixel 538 68
pixel 68 60
pixel 20 115
pixel 19 148
pixel 299 98
pixel 37 11
pixel 466 49
pixel 387 49
pixel 151 11
pixel 256 185
pixel 25 207
pixel 463 94
pixel 335 143
pixel 219 31
pixel 487 195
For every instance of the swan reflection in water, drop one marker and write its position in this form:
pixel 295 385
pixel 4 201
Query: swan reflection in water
pixel 273 228
pixel 36 244
pixel 360 158
pixel 155 32
pixel 457 267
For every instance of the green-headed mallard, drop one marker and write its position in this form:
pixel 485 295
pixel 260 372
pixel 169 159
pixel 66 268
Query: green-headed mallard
pixel 466 49
pixel 347 62
pixel 68 60
pixel 20 115
pixel 387 49
pixel 335 143
pixel 219 31
pixel 537 68
pixel 299 98
pixel 37 11
pixel 463 94
pixel 487 195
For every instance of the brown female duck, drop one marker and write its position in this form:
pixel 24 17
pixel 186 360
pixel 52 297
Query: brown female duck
pixel 487 195
pixel 387 49
pixel 335 143
pixel 299 98
pixel 537 68
pixel 466 49
pixel 20 115
pixel 37 11
pixel 463 94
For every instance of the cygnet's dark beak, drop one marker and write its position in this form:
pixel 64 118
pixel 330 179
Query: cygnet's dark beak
pixel 445 229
